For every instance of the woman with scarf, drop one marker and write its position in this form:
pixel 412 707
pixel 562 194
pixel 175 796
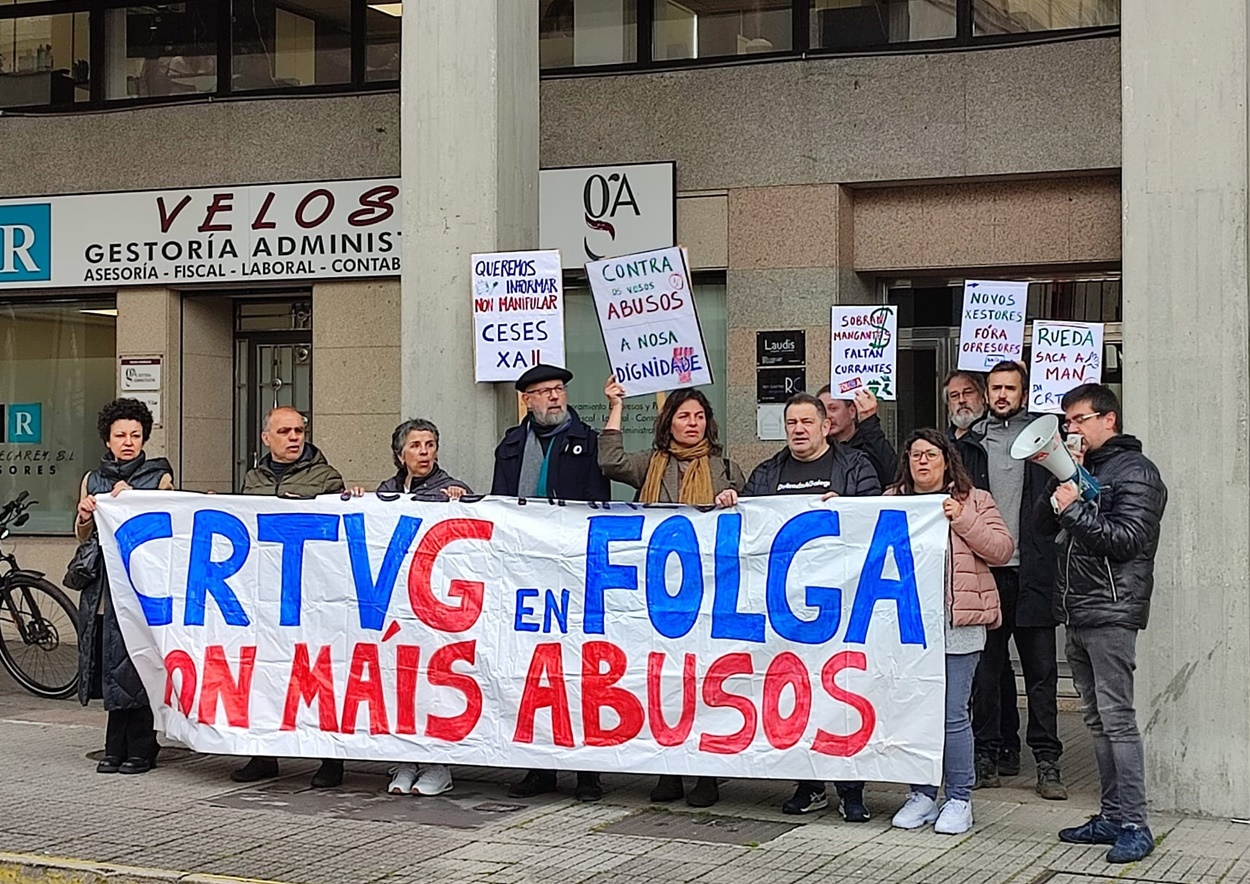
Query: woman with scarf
pixel 684 465
pixel 105 670
pixel 980 540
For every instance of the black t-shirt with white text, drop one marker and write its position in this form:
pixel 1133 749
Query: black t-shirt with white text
pixel 806 477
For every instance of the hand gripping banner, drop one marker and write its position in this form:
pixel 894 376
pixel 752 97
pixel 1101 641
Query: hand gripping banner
pixel 784 638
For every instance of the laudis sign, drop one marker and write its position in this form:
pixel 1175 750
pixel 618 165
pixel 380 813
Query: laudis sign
pixel 785 637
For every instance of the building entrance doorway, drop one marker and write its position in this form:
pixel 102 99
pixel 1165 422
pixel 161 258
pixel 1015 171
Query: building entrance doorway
pixel 272 367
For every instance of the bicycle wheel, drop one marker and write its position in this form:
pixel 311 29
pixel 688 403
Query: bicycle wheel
pixel 39 638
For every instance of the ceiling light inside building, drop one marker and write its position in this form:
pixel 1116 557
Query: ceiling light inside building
pixel 395 9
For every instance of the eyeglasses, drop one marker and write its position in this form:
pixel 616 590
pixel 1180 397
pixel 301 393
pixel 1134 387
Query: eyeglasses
pixel 1073 423
pixel 547 391
pixel 924 456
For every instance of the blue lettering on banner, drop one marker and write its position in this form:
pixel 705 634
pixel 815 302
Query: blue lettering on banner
pixel 206 577
pixel 601 575
pixel 557 611
pixel 727 620
pixel 293 530
pixel 674 615
pixel 827 600
pixel 523 610
pixel 373 598
pixel 132 534
pixel 891 533
pixel 26 243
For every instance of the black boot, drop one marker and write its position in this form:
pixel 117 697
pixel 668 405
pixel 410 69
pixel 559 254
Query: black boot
pixel 260 767
pixel 536 782
pixel 668 787
pixel 329 775
pixel 705 793
pixel 588 788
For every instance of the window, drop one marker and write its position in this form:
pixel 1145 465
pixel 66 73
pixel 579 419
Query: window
pixel 709 28
pixel 44 60
pixel 382 41
pixel 60 370
pixel 577 33
pixel 585 357
pixel 851 24
pixel 169 49
pixel 1018 16
pixel 291 44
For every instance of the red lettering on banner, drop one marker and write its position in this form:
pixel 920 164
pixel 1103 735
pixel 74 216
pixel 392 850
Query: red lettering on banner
pixel 309 684
pixel 598 691
pixel 167 219
pixel 786 669
pixel 665 735
pixel 455 727
pixel 406 659
pixel 303 204
pixel 259 222
pixel 376 206
pixel 850 744
pixel 431 610
pixel 220 203
pixel 219 683
pixel 714 694
pixel 547 663
pixel 364 687
pixel 180 662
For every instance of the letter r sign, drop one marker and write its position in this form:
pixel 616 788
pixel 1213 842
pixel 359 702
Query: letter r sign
pixel 26 243
pixel 24 424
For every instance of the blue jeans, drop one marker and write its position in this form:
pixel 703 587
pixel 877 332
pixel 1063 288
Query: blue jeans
pixel 958 766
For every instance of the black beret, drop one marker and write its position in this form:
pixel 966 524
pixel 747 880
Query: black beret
pixel 540 373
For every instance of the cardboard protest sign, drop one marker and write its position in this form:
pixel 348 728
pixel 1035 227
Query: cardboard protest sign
pixel 518 313
pixel 650 327
pixel 787 638
pixel 992 328
pixel 864 351
pixel 1065 355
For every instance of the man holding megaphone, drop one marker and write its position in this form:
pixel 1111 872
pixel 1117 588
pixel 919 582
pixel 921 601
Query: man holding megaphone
pixel 1105 576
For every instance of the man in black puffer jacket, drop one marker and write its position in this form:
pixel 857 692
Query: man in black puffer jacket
pixel 1105 577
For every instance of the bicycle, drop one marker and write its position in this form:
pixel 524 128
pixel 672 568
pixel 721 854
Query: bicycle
pixel 38 622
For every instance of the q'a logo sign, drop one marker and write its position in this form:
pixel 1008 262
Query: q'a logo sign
pixel 605 196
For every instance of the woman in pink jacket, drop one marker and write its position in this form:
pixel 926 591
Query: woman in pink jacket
pixel 929 464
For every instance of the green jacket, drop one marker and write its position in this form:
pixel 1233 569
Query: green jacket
pixel 307 477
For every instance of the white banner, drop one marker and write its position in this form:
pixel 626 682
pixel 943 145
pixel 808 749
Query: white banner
pixel 785 638
pixel 864 351
pixel 649 323
pixel 242 234
pixel 518 313
pixel 1064 355
pixel 992 328
pixel 594 212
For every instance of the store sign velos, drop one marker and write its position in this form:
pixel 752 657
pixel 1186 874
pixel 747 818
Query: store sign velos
pixel 228 234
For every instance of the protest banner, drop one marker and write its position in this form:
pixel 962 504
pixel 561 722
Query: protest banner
pixel 992 328
pixel 1065 355
pixel 647 315
pixel 784 638
pixel 864 343
pixel 518 313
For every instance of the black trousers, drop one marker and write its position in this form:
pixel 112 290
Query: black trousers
pixel 995 721
pixel 130 733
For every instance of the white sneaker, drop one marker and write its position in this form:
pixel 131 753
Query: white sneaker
pixel 955 818
pixel 919 810
pixel 404 776
pixel 435 779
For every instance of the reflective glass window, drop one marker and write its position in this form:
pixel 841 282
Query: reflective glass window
pixel 851 24
pixel 1020 16
pixel 44 60
pixel 282 44
pixel 165 49
pixel 577 33
pixel 382 41
pixel 710 28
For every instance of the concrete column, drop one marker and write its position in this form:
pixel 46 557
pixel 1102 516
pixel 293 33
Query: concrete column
pixel 1187 387
pixel 469 158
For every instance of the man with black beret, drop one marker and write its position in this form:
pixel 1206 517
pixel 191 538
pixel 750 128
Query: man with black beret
pixel 551 454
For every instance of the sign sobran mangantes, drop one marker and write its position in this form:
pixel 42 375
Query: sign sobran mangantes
pixel 211 234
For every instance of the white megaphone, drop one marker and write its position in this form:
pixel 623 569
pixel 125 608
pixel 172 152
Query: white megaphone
pixel 1040 443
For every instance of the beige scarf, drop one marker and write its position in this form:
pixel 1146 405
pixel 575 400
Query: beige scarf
pixel 696 484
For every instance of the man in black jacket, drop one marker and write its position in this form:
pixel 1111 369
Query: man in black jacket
pixel 1025 588
pixel 855 424
pixel 1105 577
pixel 811 464
pixel 550 454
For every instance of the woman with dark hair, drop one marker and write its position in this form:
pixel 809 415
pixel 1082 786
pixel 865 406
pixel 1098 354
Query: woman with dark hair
pixel 980 540
pixel 414 448
pixel 105 670
pixel 685 465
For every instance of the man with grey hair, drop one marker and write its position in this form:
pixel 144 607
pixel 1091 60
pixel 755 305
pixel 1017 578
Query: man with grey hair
pixel 552 454
pixel 965 401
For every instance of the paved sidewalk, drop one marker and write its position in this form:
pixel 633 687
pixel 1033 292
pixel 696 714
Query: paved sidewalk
pixel 188 819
